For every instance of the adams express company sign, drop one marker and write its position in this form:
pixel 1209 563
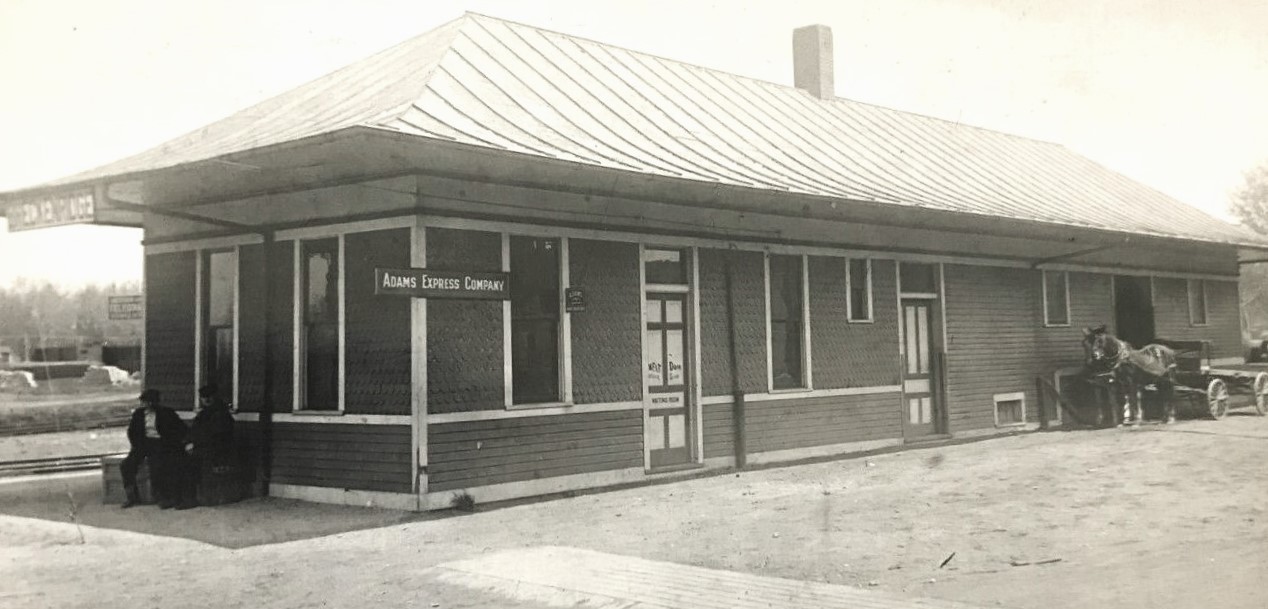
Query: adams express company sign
pixel 423 283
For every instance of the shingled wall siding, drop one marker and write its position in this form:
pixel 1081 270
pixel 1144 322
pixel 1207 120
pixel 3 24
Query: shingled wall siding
pixel 280 284
pixel 606 341
pixel 852 354
pixel 169 327
pixel 251 285
pixel 359 457
pixel 479 453
pixel 1223 329
pixel 377 339
pixel 750 321
pixel 464 337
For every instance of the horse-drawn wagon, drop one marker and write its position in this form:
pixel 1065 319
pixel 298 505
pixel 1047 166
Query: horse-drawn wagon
pixel 1123 384
pixel 1209 389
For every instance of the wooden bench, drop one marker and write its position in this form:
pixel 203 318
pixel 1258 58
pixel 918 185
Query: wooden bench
pixel 112 481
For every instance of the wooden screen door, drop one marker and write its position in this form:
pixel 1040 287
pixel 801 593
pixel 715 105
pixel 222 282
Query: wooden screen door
pixel 668 430
pixel 920 403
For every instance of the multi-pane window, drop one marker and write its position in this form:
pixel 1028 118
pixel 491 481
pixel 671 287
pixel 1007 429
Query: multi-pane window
pixel 858 280
pixel 535 314
pixel 1197 302
pixel 320 332
pixel 787 322
pixel 1056 298
pixel 220 277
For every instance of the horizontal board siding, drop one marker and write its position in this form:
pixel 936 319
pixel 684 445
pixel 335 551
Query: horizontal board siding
pixel 806 422
pixel 993 317
pixel 358 457
pixel 377 334
pixel 1223 329
pixel 852 354
pixel 169 327
pixel 606 338
pixel 464 337
pixel 719 430
pixel 750 321
pixel 1091 305
pixel 480 453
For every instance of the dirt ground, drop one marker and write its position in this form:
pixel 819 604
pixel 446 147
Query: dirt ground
pixel 64 444
pixel 1161 516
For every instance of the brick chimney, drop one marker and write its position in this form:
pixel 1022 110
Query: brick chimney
pixel 812 60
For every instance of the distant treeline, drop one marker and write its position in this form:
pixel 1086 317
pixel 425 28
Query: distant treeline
pixel 39 314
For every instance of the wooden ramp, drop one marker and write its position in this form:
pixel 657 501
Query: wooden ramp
pixel 571 577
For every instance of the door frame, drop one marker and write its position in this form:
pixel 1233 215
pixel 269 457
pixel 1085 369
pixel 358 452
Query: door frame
pixel 692 389
pixel 938 346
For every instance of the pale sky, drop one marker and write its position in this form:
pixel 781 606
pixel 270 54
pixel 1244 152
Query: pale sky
pixel 1169 92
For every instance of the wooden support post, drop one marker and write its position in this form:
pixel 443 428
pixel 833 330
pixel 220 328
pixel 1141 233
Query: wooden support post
pixel 1040 403
pixel 737 394
pixel 266 406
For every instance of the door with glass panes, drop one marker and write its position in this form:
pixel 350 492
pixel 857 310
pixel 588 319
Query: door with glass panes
pixel 668 415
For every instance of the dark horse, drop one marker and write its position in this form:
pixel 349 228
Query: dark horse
pixel 1111 361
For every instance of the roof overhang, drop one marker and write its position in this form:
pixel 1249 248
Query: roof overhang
pixel 359 154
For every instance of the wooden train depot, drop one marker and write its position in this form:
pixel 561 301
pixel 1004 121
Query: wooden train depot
pixel 500 261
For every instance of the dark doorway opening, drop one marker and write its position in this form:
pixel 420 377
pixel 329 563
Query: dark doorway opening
pixel 1133 310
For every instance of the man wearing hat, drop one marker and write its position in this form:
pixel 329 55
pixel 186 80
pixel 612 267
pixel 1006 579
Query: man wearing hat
pixel 211 446
pixel 157 436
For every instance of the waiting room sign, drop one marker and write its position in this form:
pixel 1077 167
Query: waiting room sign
pixel 423 283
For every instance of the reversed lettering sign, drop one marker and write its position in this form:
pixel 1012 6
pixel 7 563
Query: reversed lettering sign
pixel 422 283
pixel 54 210
pixel 121 308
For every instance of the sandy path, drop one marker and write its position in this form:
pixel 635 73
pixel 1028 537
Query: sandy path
pixel 1155 517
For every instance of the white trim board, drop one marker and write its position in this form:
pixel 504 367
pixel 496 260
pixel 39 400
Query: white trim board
pixel 542 230
pixel 318 418
pixel 331 230
pixel 342 496
pixel 211 243
pixel 805 394
pixel 406 221
pixel 521 413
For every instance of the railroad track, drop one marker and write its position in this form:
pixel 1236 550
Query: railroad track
pixel 26 467
pixel 86 423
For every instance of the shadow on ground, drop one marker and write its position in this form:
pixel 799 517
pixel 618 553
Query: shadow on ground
pixel 253 522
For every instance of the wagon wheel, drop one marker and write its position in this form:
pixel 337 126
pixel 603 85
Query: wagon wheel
pixel 1217 398
pixel 1261 393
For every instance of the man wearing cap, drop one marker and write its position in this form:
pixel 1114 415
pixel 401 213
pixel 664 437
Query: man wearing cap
pixel 157 436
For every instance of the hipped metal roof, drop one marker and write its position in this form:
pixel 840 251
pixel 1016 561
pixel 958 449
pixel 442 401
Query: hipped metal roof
pixel 495 84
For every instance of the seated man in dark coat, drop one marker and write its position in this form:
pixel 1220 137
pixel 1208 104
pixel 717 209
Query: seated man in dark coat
pixel 211 444
pixel 157 436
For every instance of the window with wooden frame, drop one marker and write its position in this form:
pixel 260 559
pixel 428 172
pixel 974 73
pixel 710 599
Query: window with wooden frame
pixel 1010 409
pixel 219 303
pixel 1197 302
pixel 319 346
pixel 787 322
pixel 535 320
pixel 1056 298
pixel 858 284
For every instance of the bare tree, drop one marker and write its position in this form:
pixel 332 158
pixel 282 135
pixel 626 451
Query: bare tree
pixel 1250 205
